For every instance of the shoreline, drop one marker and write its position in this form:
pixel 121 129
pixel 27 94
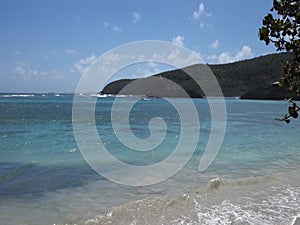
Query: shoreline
pixel 58 94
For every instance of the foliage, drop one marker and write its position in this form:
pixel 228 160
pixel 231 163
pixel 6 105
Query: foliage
pixel 292 112
pixel 281 27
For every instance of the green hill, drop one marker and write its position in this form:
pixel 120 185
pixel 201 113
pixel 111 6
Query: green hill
pixel 247 79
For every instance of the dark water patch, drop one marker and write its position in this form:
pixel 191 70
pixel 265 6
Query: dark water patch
pixel 26 180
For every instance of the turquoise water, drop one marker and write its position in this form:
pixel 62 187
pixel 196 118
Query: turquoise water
pixel 44 179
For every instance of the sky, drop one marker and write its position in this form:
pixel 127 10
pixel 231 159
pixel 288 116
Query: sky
pixel 46 45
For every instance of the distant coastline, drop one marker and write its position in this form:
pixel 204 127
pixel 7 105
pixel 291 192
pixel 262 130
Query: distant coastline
pixel 248 79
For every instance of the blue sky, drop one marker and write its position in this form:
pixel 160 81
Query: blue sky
pixel 47 45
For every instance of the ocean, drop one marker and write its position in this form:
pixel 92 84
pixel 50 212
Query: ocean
pixel 46 179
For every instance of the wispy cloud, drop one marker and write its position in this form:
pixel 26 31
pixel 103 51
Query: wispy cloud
pixel 201 11
pixel 108 26
pixel 226 57
pixel 117 29
pixel 105 24
pixel 27 72
pixel 21 69
pixel 71 51
pixel 214 44
pixel 178 40
pixel 84 63
pixel 136 17
pixel 200 15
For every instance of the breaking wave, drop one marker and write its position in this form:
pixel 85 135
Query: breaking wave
pixel 242 201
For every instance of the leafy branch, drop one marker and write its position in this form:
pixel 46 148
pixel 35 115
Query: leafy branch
pixel 281 27
pixel 292 112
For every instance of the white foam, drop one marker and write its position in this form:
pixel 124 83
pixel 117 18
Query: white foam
pixel 261 208
pixel 296 220
pixel 17 95
pixel 72 150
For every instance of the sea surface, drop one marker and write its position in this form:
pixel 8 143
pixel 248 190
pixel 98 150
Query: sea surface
pixel 44 179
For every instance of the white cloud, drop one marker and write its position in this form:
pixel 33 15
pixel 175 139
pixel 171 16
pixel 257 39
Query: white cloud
pixel 178 40
pixel 244 53
pixel 24 77
pixel 108 26
pixel 22 70
pixel 71 51
pixel 136 17
pixel 226 57
pixel 196 14
pixel 83 64
pixel 52 51
pixel 112 58
pixel 177 58
pixel 215 44
pixel 207 26
pixel 201 11
pixel 117 29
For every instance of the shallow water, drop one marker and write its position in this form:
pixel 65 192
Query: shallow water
pixel 45 180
